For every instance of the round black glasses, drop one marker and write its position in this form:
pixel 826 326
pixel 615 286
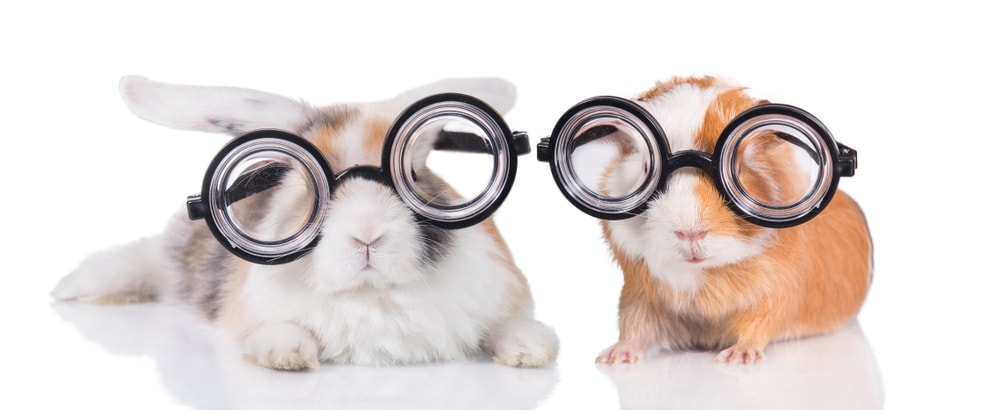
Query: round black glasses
pixel 449 157
pixel 776 165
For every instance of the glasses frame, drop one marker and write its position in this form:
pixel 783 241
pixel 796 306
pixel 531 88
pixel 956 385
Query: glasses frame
pixel 212 202
pixel 835 160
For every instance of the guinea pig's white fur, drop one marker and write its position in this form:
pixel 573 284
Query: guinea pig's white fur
pixel 667 252
pixel 379 288
pixel 697 275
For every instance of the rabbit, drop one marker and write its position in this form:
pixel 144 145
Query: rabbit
pixel 379 288
pixel 697 276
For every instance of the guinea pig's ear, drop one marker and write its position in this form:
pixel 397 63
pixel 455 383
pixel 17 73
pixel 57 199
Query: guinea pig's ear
pixel 227 110
pixel 497 92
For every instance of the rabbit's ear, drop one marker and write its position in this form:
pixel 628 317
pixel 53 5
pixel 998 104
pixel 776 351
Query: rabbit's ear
pixel 497 92
pixel 227 110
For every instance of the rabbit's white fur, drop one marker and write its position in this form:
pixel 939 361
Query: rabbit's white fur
pixel 379 288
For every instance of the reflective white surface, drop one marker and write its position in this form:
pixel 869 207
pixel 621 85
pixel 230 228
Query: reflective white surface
pixel 197 369
pixel 912 87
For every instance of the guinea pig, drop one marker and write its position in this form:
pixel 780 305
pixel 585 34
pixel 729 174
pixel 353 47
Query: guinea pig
pixel 699 277
pixel 381 287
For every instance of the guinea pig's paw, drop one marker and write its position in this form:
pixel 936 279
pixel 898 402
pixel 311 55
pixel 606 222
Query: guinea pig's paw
pixel 525 343
pixel 625 351
pixel 282 346
pixel 740 355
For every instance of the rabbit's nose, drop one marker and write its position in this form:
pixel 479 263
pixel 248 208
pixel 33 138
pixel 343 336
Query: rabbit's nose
pixel 366 242
pixel 368 247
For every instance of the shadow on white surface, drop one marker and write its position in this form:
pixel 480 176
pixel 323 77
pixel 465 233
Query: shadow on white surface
pixel 835 371
pixel 201 371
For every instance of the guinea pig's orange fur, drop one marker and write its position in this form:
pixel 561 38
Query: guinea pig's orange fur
pixel 810 279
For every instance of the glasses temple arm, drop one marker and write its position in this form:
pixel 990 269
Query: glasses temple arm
pixel 847 160
pixel 847 157
pixel 249 183
pixel 588 136
pixel 469 142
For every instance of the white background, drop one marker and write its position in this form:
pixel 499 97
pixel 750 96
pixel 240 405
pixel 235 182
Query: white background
pixel 913 87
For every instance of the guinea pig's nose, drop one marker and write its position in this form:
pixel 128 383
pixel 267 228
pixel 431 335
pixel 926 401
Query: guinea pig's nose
pixel 691 235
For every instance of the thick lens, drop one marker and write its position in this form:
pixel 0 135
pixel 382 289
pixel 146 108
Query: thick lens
pixel 776 168
pixel 452 161
pixel 449 161
pixel 607 160
pixel 610 158
pixel 267 196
